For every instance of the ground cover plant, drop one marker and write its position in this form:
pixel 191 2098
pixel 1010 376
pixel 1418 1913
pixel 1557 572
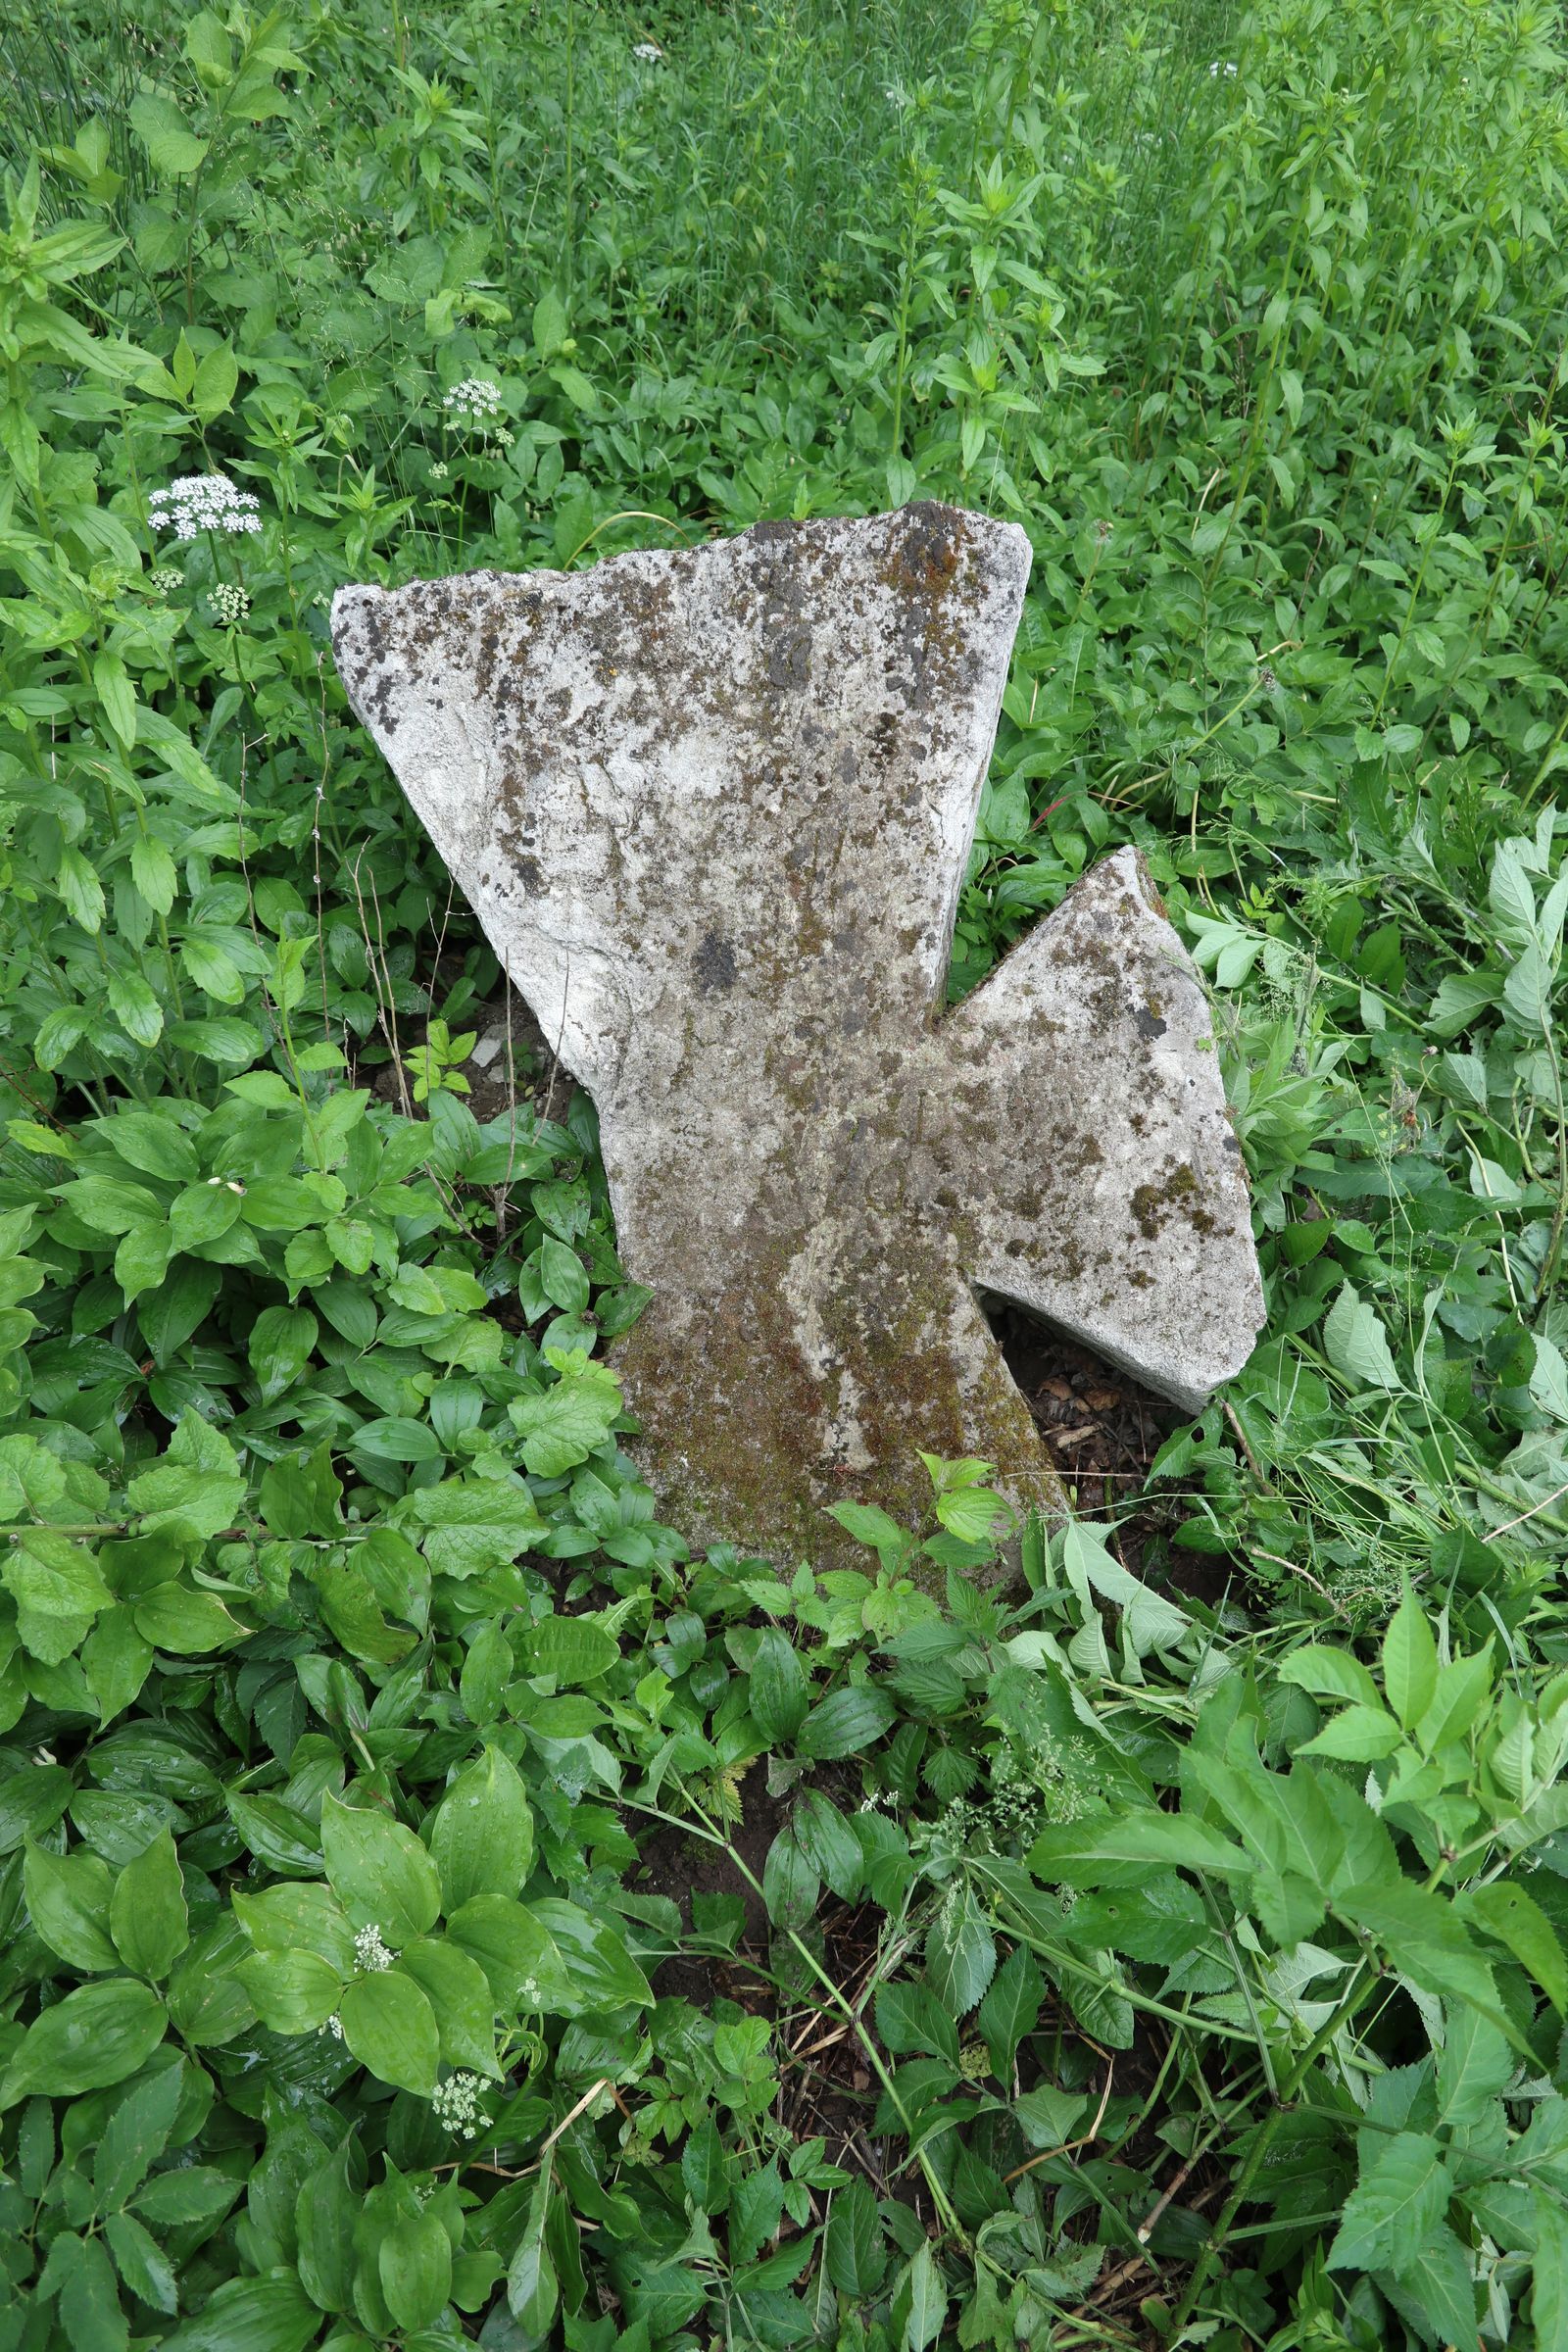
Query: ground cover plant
pixel 437 1906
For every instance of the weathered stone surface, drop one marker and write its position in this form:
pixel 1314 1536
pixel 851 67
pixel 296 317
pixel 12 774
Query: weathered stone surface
pixel 712 809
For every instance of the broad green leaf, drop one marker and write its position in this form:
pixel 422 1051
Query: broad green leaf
pixel 1329 1673
pixel 467 1527
pixel 705 2168
pixel 68 1901
pixel 1474 2066
pixel 95 2036
pixel 271 2313
pixel 298 1917
pixel 379 1871
pixel 147 1916
pixel 184 1622
pixel 390 2027
pixel 845 1723
pixel 57 1588
pixel 777 1693
pixel 789 1883
pixel 1548 2277
pixel 570 1650
pixel 532 2293
pixel 1356 1344
pixel 291 1993
pixel 459 1991
pixel 923 2301
pixel 1460 1692
pixel 414 2263
pixel 481 1835
pixel 1011 2009
pixel 326 2215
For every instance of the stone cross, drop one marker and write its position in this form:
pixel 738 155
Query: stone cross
pixel 712 808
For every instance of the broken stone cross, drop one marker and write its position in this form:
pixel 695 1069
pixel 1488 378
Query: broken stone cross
pixel 712 808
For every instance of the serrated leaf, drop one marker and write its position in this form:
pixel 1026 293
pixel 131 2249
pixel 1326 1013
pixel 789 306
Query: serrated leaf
pixel 1393 2207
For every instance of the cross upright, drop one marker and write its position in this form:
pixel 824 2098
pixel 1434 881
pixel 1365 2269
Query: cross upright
pixel 712 808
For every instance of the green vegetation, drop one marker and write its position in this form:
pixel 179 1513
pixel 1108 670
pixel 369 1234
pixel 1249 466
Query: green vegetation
pixel 1122 1960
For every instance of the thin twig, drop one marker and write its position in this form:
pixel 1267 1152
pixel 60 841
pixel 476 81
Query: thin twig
pixel 1070 2146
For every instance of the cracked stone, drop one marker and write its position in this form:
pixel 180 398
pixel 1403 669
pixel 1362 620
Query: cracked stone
pixel 712 808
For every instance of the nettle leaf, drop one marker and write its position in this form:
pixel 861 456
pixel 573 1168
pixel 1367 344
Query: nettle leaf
pixel 1409 1662
pixel 567 1423
pixel 57 1588
pixel 1516 1921
pixel 1393 2207
pixel 960 1953
pixel 467 1527
pixel 853 2252
pixel 135 2136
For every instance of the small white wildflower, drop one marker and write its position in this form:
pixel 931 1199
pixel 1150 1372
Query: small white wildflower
pixel 438 473
pixel 230 604
pixel 648 53
pixel 530 1994
pixel 456 2104
pixel 475 401
pixel 163 581
pixel 204 502
pixel 368 1949
pixel 1220 67
pixel 333 2026
pixel 896 95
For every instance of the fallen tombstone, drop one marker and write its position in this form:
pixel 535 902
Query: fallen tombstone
pixel 712 808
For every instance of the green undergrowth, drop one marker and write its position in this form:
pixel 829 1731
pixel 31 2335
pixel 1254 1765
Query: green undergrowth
pixel 437 1903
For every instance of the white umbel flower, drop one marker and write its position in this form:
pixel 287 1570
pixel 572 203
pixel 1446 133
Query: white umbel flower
pixel 648 53
pixel 370 1950
pixel 475 401
pixel 230 604
pixel 456 2103
pixel 204 502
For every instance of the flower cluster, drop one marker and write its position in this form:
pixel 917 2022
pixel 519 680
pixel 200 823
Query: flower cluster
pixel 368 1949
pixel 456 2103
pixel 229 604
pixel 648 53
pixel 475 401
pixel 163 579
pixel 204 502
